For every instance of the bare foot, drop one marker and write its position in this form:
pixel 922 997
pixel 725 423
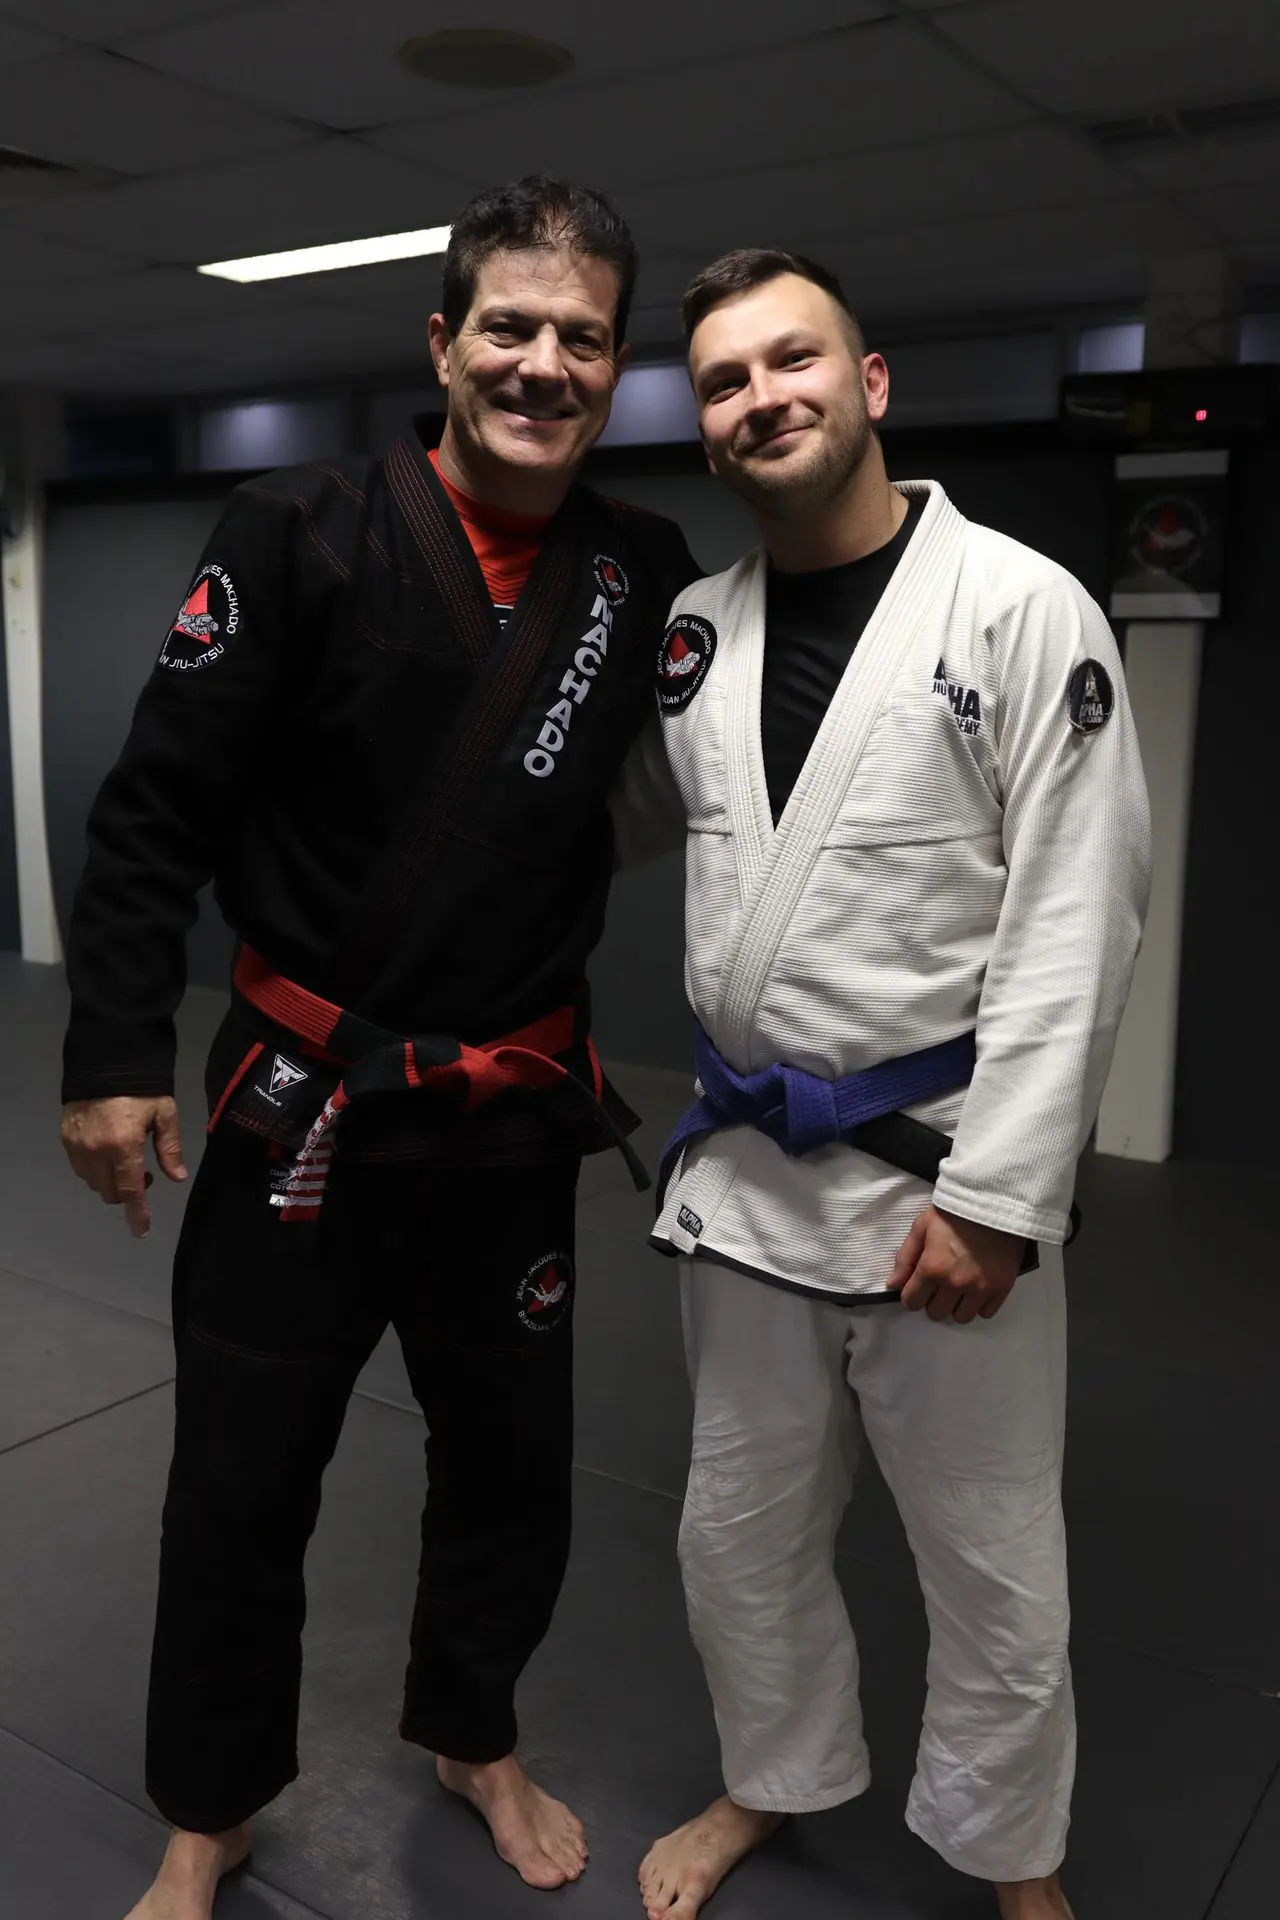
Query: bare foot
pixel 1033 1900
pixel 540 1838
pixel 187 1882
pixel 684 1870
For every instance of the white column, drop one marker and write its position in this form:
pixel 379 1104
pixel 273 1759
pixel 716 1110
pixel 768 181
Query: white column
pixel 1162 670
pixel 21 557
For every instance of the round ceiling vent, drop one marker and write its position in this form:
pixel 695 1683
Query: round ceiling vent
pixel 484 57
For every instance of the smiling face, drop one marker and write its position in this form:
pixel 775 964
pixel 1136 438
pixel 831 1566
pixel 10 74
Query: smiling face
pixel 786 399
pixel 530 373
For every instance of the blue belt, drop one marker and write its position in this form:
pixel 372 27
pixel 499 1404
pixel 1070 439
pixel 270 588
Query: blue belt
pixel 801 1111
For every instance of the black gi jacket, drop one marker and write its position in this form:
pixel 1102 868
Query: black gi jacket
pixel 401 807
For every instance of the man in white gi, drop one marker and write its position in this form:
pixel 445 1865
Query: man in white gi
pixel 917 870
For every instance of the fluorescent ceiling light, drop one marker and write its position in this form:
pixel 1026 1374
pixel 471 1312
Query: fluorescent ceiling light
pixel 330 259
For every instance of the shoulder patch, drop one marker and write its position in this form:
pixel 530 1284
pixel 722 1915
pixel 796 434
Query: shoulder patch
pixel 684 661
pixel 205 624
pixel 1091 698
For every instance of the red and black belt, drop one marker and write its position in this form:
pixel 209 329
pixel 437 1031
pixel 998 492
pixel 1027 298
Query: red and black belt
pixel 371 1060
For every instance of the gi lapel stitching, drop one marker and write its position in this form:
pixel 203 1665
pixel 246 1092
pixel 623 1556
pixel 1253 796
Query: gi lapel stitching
pixel 471 615
pixel 487 719
pixel 746 791
pixel 789 858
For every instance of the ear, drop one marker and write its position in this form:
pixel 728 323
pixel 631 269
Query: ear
pixel 440 340
pixel 875 385
pixel 621 360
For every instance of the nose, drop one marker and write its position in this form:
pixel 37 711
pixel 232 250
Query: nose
pixel 763 396
pixel 541 357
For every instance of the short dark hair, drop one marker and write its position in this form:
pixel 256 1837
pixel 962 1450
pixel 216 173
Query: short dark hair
pixel 749 267
pixel 538 211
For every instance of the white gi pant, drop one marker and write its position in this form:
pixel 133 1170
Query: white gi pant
pixel 966 1423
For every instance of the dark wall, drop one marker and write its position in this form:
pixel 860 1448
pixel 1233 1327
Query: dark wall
pixel 115 573
pixel 10 924
pixel 1228 1045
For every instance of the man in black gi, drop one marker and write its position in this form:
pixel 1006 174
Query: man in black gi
pixel 386 723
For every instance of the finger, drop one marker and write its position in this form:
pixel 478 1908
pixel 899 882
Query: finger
pixel 919 1290
pixel 944 1302
pixel 908 1255
pixel 991 1307
pixel 168 1136
pixel 968 1307
pixel 131 1182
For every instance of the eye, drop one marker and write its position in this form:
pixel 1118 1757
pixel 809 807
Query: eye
pixel 801 357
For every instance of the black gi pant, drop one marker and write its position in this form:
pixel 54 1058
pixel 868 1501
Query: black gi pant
pixel 273 1320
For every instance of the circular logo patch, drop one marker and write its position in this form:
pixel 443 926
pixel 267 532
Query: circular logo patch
pixel 545 1295
pixel 207 621
pixel 1090 697
pixel 1169 534
pixel 688 648
pixel 611 580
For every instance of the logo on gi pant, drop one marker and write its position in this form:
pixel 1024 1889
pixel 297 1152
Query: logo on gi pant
pixel 206 622
pixel 684 661
pixel 611 580
pixel 284 1074
pixel 1091 697
pixel 545 1294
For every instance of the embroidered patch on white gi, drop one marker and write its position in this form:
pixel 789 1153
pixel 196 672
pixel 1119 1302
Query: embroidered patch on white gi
pixel 684 660
pixel 206 622
pixel 285 1074
pixel 965 701
pixel 1091 698
pixel 545 1295
pixel 611 580
pixel 690 1221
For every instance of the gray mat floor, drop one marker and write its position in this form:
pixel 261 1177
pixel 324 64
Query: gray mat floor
pixel 1173 1488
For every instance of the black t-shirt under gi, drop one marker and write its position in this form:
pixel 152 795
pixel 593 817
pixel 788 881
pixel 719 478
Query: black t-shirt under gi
pixel 813 622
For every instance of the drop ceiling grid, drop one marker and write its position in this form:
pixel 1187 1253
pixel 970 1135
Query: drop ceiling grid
pixel 331 61
pixel 928 150
pixel 1099 56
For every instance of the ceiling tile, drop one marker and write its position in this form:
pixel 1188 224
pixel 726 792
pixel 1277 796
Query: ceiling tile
pixel 98 21
pixel 110 308
pixel 33 259
pixel 878 84
pixel 1250 219
pixel 96 109
pixel 333 189
pixel 22 43
pixel 1095 55
pixel 1253 162
pixel 1014 167
pixel 335 63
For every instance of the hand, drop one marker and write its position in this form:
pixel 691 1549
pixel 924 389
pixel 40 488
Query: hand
pixel 955 1268
pixel 105 1141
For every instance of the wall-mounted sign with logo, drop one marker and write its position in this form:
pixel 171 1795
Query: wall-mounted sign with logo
pixel 1168 536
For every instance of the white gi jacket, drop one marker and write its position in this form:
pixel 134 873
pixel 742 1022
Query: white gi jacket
pixel 956 855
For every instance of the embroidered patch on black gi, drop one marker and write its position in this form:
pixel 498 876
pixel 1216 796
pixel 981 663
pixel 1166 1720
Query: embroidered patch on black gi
pixel 1091 697
pixel 545 1295
pixel 966 703
pixel 690 1221
pixel 684 661
pixel 206 622
pixel 611 580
